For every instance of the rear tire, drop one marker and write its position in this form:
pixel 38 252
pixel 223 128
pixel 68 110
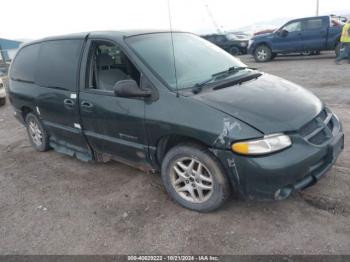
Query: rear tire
pixel 194 178
pixel 262 54
pixel 234 50
pixel 37 134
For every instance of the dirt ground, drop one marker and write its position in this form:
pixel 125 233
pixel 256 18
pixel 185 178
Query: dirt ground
pixel 53 204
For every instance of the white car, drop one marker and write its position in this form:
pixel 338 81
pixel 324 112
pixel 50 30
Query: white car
pixel 2 93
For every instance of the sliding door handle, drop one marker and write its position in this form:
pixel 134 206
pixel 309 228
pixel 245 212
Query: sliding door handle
pixel 86 105
pixel 68 103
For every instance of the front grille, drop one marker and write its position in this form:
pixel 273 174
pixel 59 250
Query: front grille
pixel 320 129
pixel 319 138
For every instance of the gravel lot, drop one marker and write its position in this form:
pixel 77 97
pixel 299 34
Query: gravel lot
pixel 53 204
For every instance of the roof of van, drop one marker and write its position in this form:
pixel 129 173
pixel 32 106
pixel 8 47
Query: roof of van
pixel 113 34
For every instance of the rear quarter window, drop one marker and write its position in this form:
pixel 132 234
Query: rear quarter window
pixel 313 24
pixel 58 62
pixel 24 65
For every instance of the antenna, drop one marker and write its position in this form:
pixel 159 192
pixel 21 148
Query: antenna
pixel 172 44
pixel 317 7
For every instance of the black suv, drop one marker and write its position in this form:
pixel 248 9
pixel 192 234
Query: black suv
pixel 229 42
pixel 210 124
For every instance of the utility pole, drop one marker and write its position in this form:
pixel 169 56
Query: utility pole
pixel 212 17
pixel 317 7
pixel 2 56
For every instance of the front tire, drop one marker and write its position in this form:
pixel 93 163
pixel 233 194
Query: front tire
pixel 306 53
pixel 37 134
pixel 262 54
pixel 194 178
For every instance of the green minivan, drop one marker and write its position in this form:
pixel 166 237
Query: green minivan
pixel 175 103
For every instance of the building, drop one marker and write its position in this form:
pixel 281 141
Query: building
pixel 8 49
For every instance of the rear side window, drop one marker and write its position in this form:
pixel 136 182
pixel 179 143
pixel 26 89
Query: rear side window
pixel 57 65
pixel 23 66
pixel 313 24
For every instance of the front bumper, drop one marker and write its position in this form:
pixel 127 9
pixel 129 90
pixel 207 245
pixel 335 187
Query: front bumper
pixel 277 175
pixel 251 48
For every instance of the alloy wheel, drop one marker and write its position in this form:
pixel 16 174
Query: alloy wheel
pixel 35 132
pixel 262 54
pixel 192 180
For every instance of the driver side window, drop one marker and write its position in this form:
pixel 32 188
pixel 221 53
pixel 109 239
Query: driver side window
pixel 107 65
pixel 293 27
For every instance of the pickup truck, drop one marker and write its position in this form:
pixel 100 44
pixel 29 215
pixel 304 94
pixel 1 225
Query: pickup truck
pixel 297 36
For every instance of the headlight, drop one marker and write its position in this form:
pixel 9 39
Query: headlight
pixel 243 44
pixel 266 145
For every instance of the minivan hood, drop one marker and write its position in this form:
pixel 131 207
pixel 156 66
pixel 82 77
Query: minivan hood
pixel 269 103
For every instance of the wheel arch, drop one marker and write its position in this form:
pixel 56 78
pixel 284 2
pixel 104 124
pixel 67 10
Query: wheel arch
pixel 166 143
pixel 265 43
pixel 25 110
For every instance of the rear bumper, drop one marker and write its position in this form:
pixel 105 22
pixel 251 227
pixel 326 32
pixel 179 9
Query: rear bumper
pixel 2 93
pixel 276 176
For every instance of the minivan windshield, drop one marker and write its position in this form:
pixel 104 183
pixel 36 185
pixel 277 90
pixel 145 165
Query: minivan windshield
pixel 192 60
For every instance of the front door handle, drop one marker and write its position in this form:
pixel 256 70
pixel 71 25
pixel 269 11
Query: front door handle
pixel 86 105
pixel 69 103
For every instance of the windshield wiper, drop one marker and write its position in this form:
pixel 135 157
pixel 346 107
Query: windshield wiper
pixel 232 70
pixel 238 81
pixel 197 88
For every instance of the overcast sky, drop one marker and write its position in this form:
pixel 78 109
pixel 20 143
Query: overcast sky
pixel 30 19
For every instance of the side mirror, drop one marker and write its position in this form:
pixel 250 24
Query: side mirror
pixel 282 33
pixel 129 89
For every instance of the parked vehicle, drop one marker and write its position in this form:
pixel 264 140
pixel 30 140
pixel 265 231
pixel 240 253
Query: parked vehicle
pixel 229 42
pixel 2 93
pixel 241 35
pixel 306 34
pixel 211 126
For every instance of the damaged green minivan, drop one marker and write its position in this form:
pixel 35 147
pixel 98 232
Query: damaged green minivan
pixel 175 103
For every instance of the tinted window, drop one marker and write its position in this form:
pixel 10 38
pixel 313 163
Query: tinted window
pixel 23 67
pixel 58 64
pixel 313 24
